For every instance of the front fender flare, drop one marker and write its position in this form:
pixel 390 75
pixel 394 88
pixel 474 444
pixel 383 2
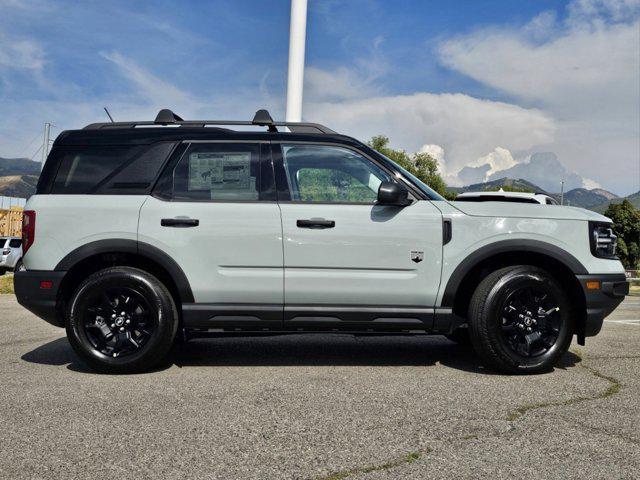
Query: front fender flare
pixel 507 246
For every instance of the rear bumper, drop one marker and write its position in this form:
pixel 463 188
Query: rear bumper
pixel 43 302
pixel 602 301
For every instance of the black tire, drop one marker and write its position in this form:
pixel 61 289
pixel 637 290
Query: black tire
pixel 19 266
pixel 497 328
pixel 154 313
pixel 460 336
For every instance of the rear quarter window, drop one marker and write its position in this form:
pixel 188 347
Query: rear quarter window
pixel 104 169
pixel 15 243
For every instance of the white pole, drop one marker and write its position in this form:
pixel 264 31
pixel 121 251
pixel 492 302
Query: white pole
pixel 295 80
pixel 45 144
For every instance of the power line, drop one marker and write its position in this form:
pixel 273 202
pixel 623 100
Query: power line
pixel 36 152
pixel 30 143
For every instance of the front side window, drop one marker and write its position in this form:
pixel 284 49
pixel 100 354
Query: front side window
pixel 224 172
pixel 328 174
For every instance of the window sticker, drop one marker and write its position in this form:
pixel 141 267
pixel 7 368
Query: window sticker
pixel 221 171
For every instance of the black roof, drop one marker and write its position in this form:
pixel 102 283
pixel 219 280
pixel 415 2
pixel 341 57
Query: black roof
pixel 170 127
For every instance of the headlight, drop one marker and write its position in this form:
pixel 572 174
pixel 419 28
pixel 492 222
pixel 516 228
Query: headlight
pixel 602 239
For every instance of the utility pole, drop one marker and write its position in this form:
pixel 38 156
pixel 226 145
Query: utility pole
pixel 45 144
pixel 562 192
pixel 295 79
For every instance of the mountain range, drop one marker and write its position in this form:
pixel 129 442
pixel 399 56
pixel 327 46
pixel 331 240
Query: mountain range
pixel 18 177
pixel 597 199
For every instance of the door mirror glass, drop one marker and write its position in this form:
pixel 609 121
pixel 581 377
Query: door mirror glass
pixel 392 193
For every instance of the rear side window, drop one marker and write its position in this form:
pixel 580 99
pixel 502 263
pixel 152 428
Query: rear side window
pixel 105 169
pixel 15 243
pixel 216 172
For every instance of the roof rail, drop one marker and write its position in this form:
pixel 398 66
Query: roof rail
pixel 261 118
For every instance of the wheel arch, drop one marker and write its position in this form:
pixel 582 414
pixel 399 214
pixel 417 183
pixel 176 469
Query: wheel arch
pixel 558 262
pixel 94 256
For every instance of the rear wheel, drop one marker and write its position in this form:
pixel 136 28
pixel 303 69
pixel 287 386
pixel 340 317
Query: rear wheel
pixel 19 266
pixel 122 320
pixel 520 320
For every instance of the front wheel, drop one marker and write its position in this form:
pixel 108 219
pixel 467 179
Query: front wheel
pixel 520 320
pixel 122 320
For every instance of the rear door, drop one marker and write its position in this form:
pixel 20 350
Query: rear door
pixel 348 261
pixel 214 212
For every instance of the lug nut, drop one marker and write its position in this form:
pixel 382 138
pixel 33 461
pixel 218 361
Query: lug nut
pixel 528 329
pixel 122 329
pixel 128 322
pixel 122 314
pixel 113 325
pixel 113 316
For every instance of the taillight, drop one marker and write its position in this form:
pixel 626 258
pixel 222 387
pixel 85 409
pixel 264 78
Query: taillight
pixel 28 229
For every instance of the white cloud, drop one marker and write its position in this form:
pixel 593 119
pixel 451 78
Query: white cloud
pixel 21 54
pixel 463 126
pixel 499 159
pixel 590 184
pixel 583 72
pixel 154 89
pixel 339 84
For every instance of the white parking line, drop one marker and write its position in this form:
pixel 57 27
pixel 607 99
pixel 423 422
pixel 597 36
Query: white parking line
pixel 625 322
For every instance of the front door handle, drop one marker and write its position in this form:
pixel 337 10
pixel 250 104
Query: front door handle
pixel 316 223
pixel 179 222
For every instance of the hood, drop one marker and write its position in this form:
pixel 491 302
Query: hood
pixel 528 210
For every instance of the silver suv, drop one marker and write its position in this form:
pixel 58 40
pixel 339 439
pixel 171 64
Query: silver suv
pixel 144 232
pixel 10 254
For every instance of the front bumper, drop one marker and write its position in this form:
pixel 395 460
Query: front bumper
pixel 43 302
pixel 600 302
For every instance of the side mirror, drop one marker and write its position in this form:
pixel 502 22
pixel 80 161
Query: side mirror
pixel 392 193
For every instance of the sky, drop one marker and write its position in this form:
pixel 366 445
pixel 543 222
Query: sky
pixel 546 89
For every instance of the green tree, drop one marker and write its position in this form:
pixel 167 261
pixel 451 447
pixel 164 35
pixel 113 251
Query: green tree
pixel 422 165
pixel 626 225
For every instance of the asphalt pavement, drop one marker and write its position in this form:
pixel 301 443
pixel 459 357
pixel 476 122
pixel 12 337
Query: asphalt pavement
pixel 318 407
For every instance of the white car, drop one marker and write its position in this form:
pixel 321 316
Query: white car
pixel 136 234
pixel 10 254
pixel 502 196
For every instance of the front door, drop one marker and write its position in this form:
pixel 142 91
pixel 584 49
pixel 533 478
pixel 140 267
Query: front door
pixel 214 213
pixel 349 262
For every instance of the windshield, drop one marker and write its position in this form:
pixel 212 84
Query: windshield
pixel 432 194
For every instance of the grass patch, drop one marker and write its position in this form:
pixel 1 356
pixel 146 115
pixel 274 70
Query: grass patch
pixel 6 283
pixel 406 460
pixel 634 289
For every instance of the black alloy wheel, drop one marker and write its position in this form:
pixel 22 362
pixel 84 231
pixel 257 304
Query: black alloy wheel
pixel 531 320
pixel 520 320
pixel 119 321
pixel 122 320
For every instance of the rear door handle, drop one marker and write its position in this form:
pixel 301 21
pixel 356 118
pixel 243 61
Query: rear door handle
pixel 179 222
pixel 316 223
